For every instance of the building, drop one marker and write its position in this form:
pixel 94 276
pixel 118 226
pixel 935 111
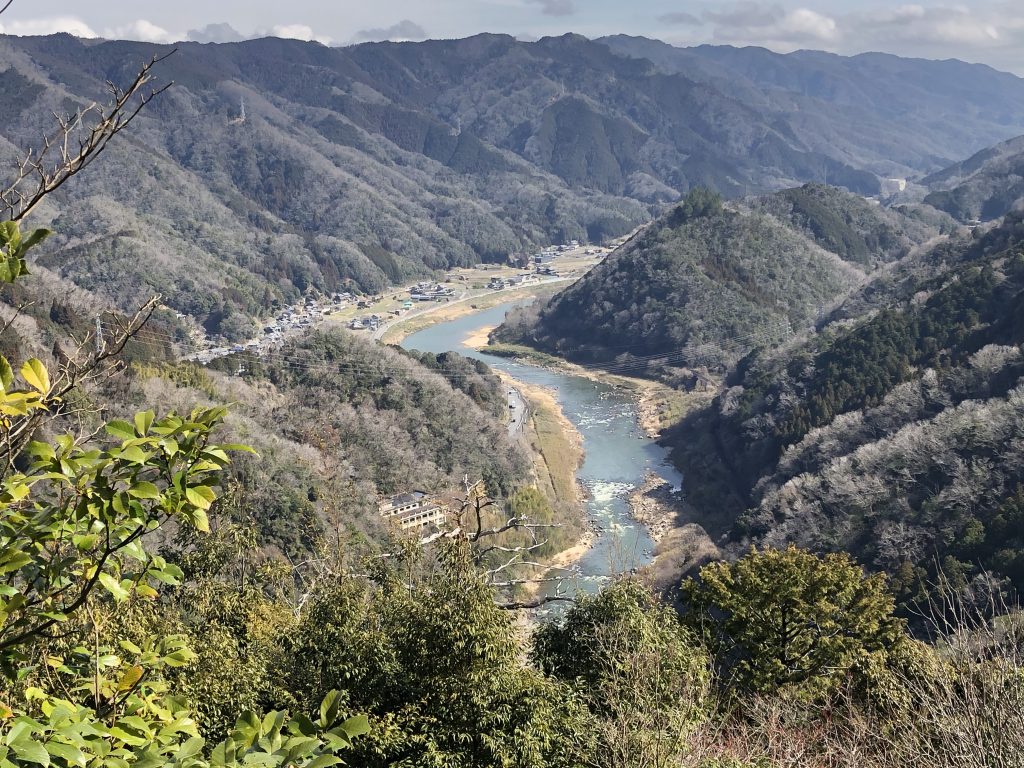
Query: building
pixel 413 511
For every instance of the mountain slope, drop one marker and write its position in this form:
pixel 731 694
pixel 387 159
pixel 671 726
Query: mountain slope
pixel 984 187
pixel 706 283
pixel 895 437
pixel 373 164
pixel 876 110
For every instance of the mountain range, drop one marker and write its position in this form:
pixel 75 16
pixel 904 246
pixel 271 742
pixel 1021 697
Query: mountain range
pixel 984 187
pixel 274 167
pixel 709 281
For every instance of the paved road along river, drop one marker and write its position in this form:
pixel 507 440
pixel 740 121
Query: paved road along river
pixel 618 454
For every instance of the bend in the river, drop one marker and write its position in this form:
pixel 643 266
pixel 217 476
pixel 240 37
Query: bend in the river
pixel 618 455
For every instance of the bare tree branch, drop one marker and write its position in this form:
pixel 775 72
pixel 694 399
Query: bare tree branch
pixel 76 144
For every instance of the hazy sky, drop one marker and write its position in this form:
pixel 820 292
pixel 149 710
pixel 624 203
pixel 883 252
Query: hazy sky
pixel 988 31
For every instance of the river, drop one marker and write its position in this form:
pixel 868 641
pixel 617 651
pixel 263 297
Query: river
pixel 618 454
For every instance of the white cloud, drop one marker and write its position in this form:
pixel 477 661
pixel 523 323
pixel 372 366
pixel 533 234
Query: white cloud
pixel 992 32
pixel 752 24
pixel 403 30
pixel 216 33
pixel 917 25
pixel 681 18
pixel 49 26
pixel 140 29
pixel 298 32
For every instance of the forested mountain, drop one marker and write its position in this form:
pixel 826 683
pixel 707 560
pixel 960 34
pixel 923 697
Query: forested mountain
pixel 337 420
pixel 873 109
pixel 985 186
pixel 895 437
pixel 275 166
pixel 872 394
pixel 172 597
pixel 709 281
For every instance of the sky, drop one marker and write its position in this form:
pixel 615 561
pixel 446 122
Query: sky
pixel 985 31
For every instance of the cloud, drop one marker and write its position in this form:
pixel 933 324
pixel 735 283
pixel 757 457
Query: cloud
pixel 216 33
pixel 746 15
pixel 403 30
pixel 298 32
pixel 142 30
pixel 991 31
pixel 916 24
pixel 49 26
pixel 751 24
pixel 555 7
pixel 681 18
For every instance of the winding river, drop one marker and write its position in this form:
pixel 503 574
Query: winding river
pixel 618 454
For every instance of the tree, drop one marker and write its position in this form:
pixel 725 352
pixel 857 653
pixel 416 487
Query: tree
pixel 74 514
pixel 423 647
pixel 72 525
pixel 644 676
pixel 782 617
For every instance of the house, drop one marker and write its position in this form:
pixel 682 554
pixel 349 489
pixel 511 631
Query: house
pixel 413 511
pixel 543 258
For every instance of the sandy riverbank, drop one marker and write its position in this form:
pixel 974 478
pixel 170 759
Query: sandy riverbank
pixel 401 329
pixel 478 338
pixel 557 444
pixel 558 454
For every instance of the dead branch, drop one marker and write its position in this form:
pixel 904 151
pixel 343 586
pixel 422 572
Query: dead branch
pixel 76 144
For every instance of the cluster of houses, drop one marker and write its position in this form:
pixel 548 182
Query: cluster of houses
pixel 430 292
pixel 368 322
pixel 413 511
pixel 290 320
pixel 500 283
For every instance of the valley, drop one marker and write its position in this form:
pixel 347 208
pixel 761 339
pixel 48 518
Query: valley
pixel 511 402
pixel 617 455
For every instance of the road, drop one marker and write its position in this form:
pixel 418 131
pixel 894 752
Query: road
pixel 519 412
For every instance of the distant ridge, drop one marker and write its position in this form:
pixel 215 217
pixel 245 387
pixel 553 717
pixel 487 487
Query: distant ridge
pixel 368 165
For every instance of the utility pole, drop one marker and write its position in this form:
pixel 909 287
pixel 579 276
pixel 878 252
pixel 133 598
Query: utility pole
pixel 99 336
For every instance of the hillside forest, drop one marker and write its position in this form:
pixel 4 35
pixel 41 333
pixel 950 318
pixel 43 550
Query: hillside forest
pixel 193 568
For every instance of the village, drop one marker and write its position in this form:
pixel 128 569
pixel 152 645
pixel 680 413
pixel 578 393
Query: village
pixel 375 314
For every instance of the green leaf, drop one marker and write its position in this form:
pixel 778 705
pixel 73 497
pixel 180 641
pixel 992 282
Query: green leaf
pixel 179 658
pixel 30 751
pixel 69 754
pixel 113 586
pixel 329 708
pixel 10 233
pixel 134 454
pixel 6 373
pixel 122 430
pixel 356 726
pixel 42 451
pixel 35 373
pixel 238 447
pixel 144 490
pixel 143 421
pixel 34 238
pixel 189 749
pixel 323 761
pixel 200 496
pixel 130 678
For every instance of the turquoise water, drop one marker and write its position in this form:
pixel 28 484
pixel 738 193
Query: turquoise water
pixel 618 453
